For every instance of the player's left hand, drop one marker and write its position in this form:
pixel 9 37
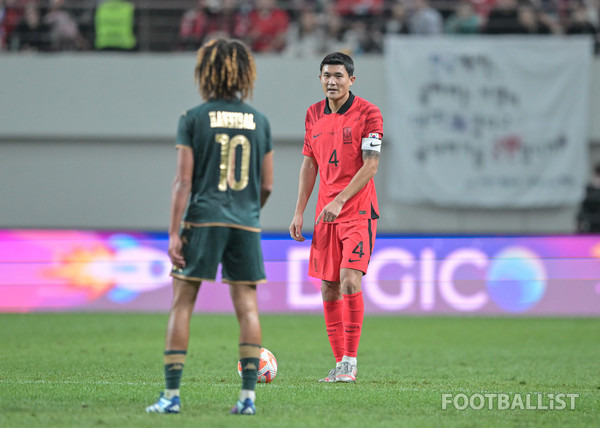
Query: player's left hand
pixel 330 212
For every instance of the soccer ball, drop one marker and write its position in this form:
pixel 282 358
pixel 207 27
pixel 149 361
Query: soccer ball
pixel 267 366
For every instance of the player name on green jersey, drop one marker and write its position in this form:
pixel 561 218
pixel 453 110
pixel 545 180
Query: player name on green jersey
pixel 231 120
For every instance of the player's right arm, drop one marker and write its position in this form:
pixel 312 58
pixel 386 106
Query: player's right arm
pixel 306 183
pixel 180 193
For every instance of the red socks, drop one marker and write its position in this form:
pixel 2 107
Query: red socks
pixel 343 320
pixel 335 330
pixel 353 314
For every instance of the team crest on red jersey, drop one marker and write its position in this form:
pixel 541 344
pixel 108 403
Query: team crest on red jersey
pixel 347 135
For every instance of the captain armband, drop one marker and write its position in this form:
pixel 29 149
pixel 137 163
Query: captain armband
pixel 372 142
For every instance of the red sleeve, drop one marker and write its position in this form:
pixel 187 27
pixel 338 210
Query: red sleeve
pixel 373 121
pixel 307 149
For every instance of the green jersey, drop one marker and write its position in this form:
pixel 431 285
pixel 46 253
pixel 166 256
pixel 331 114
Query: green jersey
pixel 229 139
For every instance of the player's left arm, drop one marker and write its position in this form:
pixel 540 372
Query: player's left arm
pixel 360 180
pixel 266 185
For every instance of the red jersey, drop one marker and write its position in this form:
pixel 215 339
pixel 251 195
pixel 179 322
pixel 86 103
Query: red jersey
pixel 359 7
pixel 335 141
pixel 265 27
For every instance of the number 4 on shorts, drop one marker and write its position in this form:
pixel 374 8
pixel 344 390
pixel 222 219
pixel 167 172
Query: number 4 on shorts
pixel 358 250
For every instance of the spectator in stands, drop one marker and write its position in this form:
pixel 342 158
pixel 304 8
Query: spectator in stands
pixel 547 7
pixel 503 19
pixel 2 30
pixel 82 12
pixel 228 20
pixel 192 28
pixel 305 35
pixel 580 23
pixel 592 8
pixel 31 34
pixel 424 20
pixel 64 31
pixel 483 7
pixel 366 35
pixel 267 27
pixel 364 9
pixel 11 14
pixel 588 217
pixel 548 16
pixel 529 21
pixel 464 20
pixel 336 38
pixel 397 22
pixel 209 19
pixel 115 26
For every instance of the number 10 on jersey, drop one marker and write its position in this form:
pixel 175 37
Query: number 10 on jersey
pixel 228 162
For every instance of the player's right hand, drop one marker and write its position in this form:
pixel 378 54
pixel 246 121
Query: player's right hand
pixel 296 229
pixel 176 252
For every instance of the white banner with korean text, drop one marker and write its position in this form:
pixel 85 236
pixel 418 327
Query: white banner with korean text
pixel 490 122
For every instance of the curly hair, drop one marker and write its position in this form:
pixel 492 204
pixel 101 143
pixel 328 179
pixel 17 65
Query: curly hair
pixel 224 69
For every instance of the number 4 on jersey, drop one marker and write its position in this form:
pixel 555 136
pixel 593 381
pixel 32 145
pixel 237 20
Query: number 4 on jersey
pixel 333 158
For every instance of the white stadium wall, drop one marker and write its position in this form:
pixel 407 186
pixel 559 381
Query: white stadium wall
pixel 86 141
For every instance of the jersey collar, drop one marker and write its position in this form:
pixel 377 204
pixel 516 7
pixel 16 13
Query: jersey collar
pixel 235 99
pixel 342 109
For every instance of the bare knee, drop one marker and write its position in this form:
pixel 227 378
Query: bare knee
pixel 331 291
pixel 184 294
pixel 351 281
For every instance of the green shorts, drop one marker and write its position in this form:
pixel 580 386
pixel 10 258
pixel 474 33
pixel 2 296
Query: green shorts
pixel 238 250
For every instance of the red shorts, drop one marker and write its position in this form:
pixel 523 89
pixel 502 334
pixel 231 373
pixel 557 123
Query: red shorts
pixel 341 245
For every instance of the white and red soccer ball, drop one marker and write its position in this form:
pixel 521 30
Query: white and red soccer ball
pixel 267 366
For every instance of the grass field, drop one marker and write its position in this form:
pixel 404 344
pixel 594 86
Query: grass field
pixel 67 370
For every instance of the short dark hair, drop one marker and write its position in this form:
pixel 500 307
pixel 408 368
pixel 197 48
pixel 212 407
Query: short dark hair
pixel 338 58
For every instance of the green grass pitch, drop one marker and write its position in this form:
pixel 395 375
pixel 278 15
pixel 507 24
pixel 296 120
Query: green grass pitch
pixel 80 370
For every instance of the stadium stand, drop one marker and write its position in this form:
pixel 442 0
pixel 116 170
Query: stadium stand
pixel 171 25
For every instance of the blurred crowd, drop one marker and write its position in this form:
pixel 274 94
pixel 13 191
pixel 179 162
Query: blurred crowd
pixel 293 27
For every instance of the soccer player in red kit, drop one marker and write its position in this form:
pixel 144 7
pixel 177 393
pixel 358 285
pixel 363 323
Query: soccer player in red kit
pixel 342 144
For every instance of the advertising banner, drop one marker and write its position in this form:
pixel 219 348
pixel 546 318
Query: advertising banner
pixel 419 275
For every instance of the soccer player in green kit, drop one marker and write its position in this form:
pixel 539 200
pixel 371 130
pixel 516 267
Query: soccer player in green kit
pixel 224 176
